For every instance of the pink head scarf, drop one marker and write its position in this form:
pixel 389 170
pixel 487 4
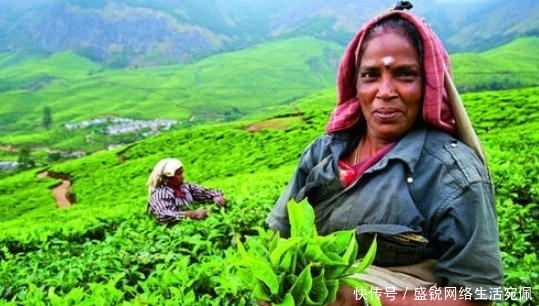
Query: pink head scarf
pixel 436 108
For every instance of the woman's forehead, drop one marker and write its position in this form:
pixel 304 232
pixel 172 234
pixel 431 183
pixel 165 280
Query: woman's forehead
pixel 387 48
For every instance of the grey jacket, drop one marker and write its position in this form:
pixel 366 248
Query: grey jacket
pixel 430 197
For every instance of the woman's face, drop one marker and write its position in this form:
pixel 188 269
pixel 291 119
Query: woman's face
pixel 389 85
pixel 177 179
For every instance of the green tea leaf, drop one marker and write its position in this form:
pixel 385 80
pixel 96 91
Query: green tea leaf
pixel 305 269
pixel 367 259
pixel 274 241
pixel 301 217
pixel 351 251
pixel 283 287
pixel 314 253
pixel 319 291
pixel 290 280
pixel 262 271
pixel 337 241
pixel 337 271
pixel 283 246
pixel 287 301
pixel 302 285
pixel 261 291
pixel 288 261
pixel 240 246
pixel 301 260
pixel 332 287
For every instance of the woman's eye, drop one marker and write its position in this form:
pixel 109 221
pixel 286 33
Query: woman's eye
pixel 406 73
pixel 368 75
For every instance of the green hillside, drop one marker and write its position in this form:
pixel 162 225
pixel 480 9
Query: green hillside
pixel 269 74
pixel 104 250
pixel 510 66
pixel 220 88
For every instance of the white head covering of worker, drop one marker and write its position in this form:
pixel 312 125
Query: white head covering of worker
pixel 164 168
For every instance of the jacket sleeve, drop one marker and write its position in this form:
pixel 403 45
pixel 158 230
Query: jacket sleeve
pixel 202 194
pixel 468 234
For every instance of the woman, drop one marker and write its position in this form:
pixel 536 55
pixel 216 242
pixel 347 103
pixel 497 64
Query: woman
pixel 394 164
pixel 169 196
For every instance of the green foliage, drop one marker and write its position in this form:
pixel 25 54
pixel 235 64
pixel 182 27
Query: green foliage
pixel 513 65
pixel 75 255
pixel 304 269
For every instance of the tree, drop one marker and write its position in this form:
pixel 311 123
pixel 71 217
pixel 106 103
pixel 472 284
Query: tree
pixel 25 159
pixel 47 117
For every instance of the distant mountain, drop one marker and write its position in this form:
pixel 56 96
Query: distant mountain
pixel 121 33
pixel 496 24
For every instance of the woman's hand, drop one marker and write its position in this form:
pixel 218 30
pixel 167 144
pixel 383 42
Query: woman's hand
pixel 220 201
pixel 197 214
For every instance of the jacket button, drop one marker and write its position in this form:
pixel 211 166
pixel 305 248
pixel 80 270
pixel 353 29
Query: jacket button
pixel 410 180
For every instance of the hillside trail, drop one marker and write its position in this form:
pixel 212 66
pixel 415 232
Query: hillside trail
pixel 59 192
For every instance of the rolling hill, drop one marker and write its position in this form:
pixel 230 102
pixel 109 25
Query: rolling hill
pixel 211 89
pixel 513 65
pixel 219 88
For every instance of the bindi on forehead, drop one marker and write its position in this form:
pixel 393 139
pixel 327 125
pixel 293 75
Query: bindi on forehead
pixel 388 60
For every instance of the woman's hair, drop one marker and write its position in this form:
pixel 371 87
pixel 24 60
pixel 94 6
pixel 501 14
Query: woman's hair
pixel 394 24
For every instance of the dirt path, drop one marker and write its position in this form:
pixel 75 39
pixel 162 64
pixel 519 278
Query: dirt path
pixel 60 192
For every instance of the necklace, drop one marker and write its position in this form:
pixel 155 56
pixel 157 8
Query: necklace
pixel 357 153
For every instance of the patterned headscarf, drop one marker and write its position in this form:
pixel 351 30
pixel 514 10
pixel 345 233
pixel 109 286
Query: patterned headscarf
pixel 436 110
pixel 442 107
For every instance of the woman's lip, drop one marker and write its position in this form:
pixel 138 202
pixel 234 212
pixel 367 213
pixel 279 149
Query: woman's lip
pixel 386 114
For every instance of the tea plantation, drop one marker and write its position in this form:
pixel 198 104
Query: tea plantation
pixel 104 249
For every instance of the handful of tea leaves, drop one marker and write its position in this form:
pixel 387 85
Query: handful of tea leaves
pixel 305 269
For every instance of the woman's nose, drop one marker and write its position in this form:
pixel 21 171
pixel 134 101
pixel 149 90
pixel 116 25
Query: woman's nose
pixel 386 90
